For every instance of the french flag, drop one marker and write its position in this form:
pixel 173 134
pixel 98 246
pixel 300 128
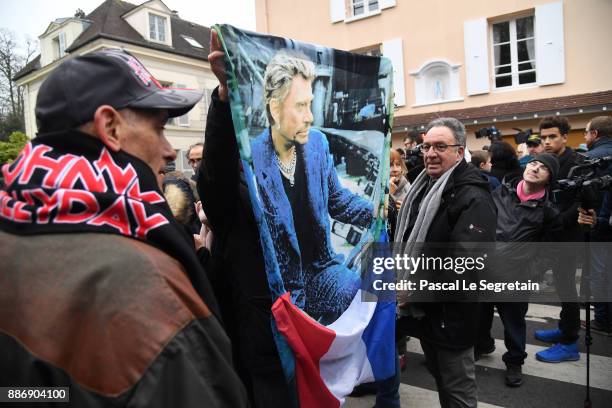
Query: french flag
pixel 330 360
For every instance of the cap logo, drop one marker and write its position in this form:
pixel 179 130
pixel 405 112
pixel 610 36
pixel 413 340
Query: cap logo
pixel 139 70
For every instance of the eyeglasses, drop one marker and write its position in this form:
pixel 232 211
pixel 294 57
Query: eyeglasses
pixel 194 161
pixel 438 147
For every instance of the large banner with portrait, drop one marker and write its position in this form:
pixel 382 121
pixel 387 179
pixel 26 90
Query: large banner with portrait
pixel 313 128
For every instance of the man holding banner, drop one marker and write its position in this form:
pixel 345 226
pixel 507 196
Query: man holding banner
pixel 273 209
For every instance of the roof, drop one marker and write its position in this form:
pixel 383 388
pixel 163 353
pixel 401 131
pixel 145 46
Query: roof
pixel 507 111
pixel 107 22
pixel 30 67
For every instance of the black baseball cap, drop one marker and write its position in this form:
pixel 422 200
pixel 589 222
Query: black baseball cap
pixel 74 90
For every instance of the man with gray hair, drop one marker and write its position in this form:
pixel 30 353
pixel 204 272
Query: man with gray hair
pixel 449 202
pixel 300 191
pixel 194 155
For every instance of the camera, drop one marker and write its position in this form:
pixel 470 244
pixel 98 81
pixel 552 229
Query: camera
pixel 414 152
pixel 491 132
pixel 585 179
pixel 522 135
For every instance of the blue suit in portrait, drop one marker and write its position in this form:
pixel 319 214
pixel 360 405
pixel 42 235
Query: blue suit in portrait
pixel 324 287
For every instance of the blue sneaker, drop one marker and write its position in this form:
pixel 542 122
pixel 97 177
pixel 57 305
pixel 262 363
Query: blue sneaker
pixel 558 353
pixel 548 336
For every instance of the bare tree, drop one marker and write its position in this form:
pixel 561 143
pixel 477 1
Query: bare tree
pixel 12 59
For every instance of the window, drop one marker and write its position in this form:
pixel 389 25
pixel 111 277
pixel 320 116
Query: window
pixel 364 7
pixel 59 46
pixel 181 163
pixel 192 42
pixel 514 61
pixel 372 51
pixel 171 121
pixel 353 10
pixel 157 28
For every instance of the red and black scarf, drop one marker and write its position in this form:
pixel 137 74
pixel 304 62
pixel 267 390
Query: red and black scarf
pixel 70 182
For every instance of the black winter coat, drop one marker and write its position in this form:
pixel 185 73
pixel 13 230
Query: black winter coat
pixel 466 214
pixel 519 224
pixel 530 221
pixel 236 269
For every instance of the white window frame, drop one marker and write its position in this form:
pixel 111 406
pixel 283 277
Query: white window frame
pixel 59 45
pixel 155 35
pixel 181 162
pixel 514 63
pixel 344 10
pixel 366 7
pixel 371 50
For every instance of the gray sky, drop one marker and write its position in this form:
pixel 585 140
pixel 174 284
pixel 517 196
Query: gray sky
pixel 31 17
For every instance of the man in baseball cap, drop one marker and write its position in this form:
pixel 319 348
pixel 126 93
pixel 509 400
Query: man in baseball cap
pixel 534 147
pixel 110 95
pixel 92 254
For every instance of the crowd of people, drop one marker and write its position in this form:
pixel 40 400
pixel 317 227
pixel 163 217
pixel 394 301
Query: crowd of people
pixel 138 299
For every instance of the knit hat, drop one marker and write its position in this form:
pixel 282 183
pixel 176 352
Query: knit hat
pixel 551 163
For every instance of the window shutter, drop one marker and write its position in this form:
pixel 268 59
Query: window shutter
pixel 152 30
pixel 386 4
pixel 549 47
pixel 476 56
pixel 393 50
pixel 62 44
pixel 336 10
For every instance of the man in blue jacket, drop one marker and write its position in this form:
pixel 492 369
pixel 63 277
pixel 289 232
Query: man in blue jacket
pixel 300 190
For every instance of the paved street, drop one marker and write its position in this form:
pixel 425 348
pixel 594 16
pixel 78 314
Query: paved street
pixel 545 385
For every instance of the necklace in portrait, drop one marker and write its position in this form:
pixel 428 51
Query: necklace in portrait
pixel 288 170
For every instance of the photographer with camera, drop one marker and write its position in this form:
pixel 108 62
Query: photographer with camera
pixel 598 137
pixel 414 157
pixel 553 132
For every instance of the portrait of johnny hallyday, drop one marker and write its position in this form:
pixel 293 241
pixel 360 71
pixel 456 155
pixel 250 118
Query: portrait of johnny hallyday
pixel 311 124
pixel 301 191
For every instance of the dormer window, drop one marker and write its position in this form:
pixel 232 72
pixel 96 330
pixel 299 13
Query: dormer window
pixel 59 46
pixel 157 28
